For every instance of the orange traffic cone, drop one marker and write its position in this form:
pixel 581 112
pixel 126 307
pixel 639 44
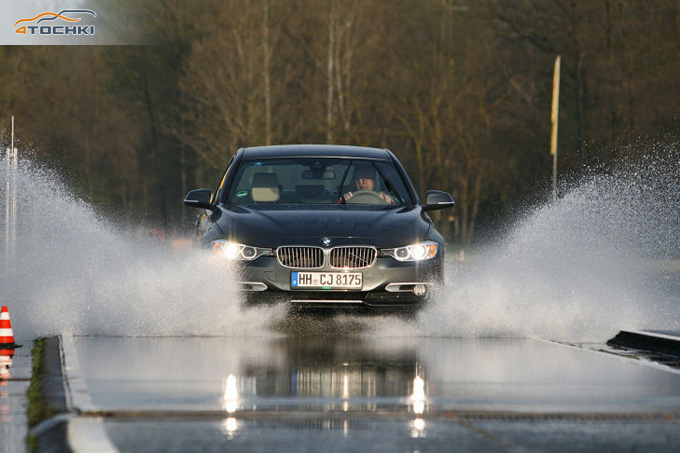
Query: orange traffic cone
pixel 6 333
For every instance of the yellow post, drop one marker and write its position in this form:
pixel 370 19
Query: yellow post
pixel 554 120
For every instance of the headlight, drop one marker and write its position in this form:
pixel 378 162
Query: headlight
pixel 236 251
pixel 415 252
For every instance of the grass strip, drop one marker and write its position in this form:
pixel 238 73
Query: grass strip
pixel 38 409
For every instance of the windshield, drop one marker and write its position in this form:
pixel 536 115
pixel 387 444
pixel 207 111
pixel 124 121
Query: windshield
pixel 318 181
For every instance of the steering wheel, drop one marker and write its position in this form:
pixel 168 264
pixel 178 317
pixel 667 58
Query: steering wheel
pixel 366 197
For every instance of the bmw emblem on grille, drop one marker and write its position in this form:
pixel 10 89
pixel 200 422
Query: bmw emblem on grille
pixel 326 241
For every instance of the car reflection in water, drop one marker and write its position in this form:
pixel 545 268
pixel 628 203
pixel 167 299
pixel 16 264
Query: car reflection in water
pixel 231 405
pixel 331 384
pixel 418 401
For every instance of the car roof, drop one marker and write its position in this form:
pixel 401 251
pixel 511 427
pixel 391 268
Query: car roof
pixel 356 152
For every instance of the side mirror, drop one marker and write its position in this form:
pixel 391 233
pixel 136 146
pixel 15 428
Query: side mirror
pixel 199 198
pixel 436 199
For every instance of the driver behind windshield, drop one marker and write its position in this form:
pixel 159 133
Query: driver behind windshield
pixel 364 180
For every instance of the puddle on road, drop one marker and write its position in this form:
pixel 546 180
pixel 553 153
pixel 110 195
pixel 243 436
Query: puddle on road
pixel 397 375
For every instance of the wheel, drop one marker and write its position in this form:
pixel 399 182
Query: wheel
pixel 366 197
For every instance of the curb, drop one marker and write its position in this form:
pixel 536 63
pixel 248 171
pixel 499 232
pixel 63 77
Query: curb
pixel 65 393
pixel 52 434
pixel 657 342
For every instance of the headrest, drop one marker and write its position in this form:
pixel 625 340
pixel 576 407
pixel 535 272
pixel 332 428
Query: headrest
pixel 265 187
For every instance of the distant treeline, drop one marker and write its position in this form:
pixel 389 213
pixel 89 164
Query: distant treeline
pixel 460 90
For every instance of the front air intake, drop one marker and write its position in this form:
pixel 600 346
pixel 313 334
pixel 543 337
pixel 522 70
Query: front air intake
pixel 352 257
pixel 300 257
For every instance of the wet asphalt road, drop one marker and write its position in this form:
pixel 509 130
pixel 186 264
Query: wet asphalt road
pixel 345 393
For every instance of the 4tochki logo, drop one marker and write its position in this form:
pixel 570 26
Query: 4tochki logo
pixel 43 24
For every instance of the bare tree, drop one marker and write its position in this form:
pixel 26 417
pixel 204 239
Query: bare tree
pixel 227 82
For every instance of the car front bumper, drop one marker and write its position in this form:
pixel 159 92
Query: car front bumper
pixel 388 284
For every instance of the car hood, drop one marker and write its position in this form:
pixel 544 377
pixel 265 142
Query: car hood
pixel 274 227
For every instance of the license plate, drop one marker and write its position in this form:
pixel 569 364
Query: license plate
pixel 326 280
